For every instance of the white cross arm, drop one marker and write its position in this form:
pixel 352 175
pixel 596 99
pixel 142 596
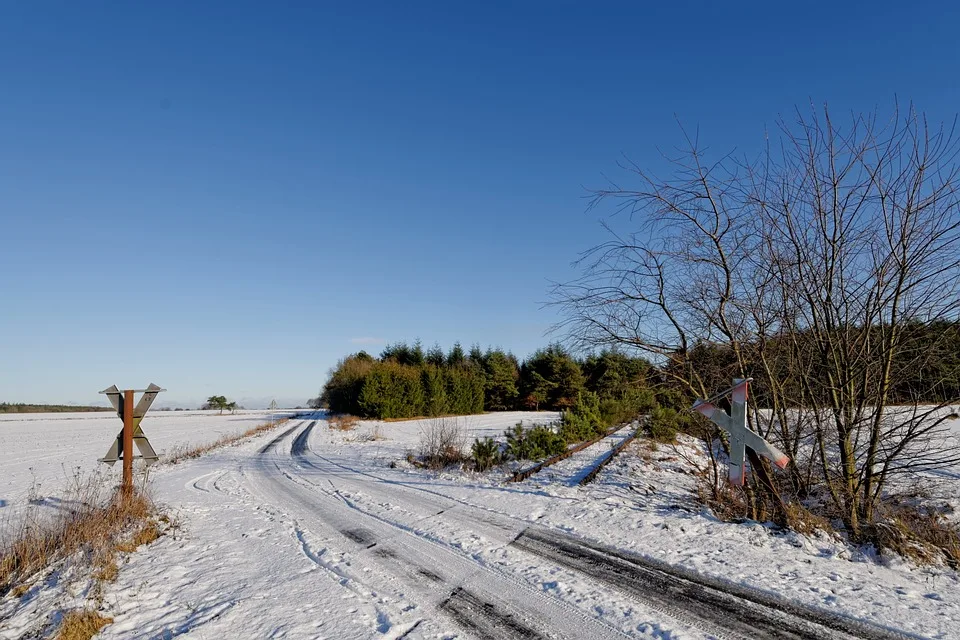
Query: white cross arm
pixel 740 437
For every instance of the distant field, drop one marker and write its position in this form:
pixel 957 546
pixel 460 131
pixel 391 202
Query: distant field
pixel 45 450
pixel 16 407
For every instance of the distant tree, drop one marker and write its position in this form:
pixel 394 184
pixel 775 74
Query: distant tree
pixel 218 402
pixel 535 389
pixel 341 393
pixel 416 354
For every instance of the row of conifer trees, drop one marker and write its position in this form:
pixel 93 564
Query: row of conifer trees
pixel 407 381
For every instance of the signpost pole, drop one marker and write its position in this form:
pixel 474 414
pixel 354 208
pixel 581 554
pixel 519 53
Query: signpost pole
pixel 128 441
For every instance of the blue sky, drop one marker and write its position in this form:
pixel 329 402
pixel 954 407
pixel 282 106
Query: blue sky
pixel 225 198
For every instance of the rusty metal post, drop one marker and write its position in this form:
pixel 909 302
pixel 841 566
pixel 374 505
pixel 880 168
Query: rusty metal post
pixel 128 441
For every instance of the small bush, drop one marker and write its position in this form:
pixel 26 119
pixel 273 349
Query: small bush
pixel 666 422
pixel 537 442
pixel 627 406
pixel 517 447
pixel 584 420
pixel 441 443
pixel 545 442
pixel 486 453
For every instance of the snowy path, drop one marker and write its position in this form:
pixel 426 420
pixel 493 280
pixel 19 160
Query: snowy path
pixel 309 533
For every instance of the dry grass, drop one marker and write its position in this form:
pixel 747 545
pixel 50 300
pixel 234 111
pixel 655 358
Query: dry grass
pixel 922 535
pixel 106 568
pixel 728 503
pixel 147 534
pixel 905 525
pixel 180 454
pixel 20 591
pixel 89 529
pixel 82 625
pixel 90 533
pixel 343 422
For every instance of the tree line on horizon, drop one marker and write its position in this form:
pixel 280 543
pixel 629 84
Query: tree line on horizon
pixel 407 381
pixel 20 407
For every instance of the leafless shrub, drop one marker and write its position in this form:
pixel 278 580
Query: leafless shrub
pixel 441 443
pixel 808 269
pixel 728 503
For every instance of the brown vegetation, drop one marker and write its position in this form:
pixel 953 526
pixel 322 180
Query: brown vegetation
pixel 82 624
pixel 343 422
pixel 91 530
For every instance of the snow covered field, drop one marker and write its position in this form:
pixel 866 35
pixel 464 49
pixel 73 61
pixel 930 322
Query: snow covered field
pixel 308 532
pixel 40 453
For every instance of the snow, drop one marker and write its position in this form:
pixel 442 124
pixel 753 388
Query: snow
pixel 345 539
pixel 41 454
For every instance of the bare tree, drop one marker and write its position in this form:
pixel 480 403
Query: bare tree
pixel 804 268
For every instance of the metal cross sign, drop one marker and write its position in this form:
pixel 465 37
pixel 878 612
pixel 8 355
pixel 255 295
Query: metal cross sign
pixel 137 437
pixel 735 424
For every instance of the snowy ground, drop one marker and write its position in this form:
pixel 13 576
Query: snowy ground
pixel 42 453
pixel 314 533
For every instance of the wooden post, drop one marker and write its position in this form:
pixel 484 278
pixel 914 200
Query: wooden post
pixel 128 441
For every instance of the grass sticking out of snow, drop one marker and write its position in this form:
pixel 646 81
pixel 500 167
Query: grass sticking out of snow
pixel 180 454
pixel 89 529
pixel 82 625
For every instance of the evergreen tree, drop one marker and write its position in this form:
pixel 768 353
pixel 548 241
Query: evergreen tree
pixel 456 356
pixel 501 374
pixel 434 391
pixel 435 356
pixel 476 355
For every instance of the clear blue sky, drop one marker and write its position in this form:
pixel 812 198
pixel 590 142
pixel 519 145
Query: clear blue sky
pixel 226 197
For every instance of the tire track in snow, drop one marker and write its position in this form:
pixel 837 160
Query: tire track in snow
pixel 273 443
pixel 506 593
pixel 713 606
pixel 484 619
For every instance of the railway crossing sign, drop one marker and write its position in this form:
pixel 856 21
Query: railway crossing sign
pixel 131 435
pixel 735 424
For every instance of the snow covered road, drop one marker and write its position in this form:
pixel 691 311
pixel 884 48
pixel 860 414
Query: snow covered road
pixel 308 532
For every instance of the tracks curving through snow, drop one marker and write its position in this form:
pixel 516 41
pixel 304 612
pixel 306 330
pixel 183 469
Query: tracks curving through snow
pixel 401 563
pixel 419 553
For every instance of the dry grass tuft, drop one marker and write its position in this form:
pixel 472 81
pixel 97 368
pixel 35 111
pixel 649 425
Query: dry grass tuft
pixel 728 504
pixel 343 422
pixel 89 528
pixel 20 591
pixel 107 569
pixel 802 520
pixel 82 625
pixel 147 534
